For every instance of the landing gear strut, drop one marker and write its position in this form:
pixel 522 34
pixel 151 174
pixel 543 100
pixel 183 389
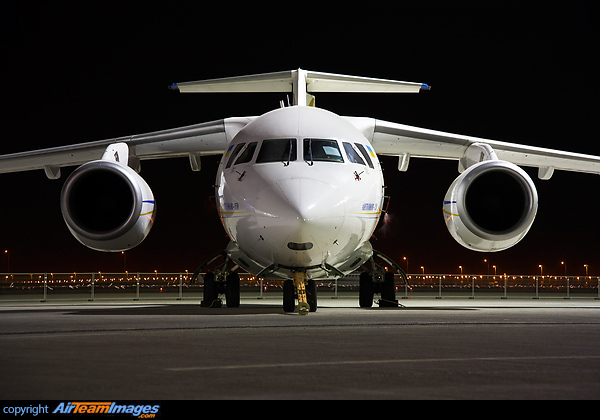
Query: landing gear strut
pixel 377 279
pixel 302 289
pixel 222 281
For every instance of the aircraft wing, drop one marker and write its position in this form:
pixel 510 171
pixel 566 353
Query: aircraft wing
pixel 406 141
pixel 207 138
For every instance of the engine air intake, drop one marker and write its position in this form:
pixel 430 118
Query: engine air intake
pixel 107 206
pixel 491 206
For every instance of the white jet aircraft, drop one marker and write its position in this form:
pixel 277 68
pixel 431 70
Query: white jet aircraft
pixel 300 189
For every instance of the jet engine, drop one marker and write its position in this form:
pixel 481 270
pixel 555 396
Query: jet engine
pixel 107 206
pixel 490 206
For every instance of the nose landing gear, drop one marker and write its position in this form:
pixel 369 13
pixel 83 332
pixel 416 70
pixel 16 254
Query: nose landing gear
pixel 302 289
pixel 303 306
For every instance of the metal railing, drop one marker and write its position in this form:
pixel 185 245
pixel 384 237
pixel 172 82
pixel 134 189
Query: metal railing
pixel 93 286
pixel 154 285
pixel 528 286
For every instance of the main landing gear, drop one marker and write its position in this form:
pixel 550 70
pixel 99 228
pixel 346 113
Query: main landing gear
pixel 222 281
pixel 376 279
pixel 225 281
pixel 215 286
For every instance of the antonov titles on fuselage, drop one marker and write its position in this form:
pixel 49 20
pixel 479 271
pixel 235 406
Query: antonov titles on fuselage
pixel 300 189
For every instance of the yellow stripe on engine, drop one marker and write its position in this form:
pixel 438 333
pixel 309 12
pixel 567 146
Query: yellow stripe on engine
pixel 447 212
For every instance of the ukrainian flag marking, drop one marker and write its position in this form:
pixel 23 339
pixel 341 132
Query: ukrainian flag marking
pixel 228 150
pixel 372 153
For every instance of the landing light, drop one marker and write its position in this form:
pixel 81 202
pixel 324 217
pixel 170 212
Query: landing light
pixel 295 246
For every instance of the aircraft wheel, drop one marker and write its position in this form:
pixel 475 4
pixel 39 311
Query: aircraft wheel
pixel 289 296
pixel 365 291
pixel 210 290
pixel 388 291
pixel 311 295
pixel 232 290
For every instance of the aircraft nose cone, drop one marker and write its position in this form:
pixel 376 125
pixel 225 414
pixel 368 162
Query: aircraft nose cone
pixel 312 200
pixel 302 214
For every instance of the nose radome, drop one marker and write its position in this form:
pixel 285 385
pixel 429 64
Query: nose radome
pixel 312 200
pixel 317 211
pixel 300 219
pixel 301 214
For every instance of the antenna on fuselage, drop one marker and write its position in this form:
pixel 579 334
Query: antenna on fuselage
pixel 282 103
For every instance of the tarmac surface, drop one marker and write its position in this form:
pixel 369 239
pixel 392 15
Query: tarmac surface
pixel 428 349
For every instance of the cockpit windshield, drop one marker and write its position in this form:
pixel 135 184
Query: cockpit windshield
pixel 277 150
pixel 352 154
pixel 233 154
pixel 247 154
pixel 317 150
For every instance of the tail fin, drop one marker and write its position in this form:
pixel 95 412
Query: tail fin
pixel 300 82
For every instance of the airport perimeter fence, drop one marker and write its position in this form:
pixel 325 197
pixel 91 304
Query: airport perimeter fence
pixel 46 287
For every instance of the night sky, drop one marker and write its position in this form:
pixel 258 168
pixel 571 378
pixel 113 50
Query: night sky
pixel 88 71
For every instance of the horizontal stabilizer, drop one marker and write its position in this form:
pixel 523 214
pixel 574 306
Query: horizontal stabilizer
pixel 300 82
pixel 326 82
pixel 267 82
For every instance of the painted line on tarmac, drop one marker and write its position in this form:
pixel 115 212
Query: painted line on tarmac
pixel 258 327
pixel 376 362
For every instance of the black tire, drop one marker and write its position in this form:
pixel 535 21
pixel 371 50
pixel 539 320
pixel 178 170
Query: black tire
pixel 365 291
pixel 311 295
pixel 210 290
pixel 232 290
pixel 289 297
pixel 388 291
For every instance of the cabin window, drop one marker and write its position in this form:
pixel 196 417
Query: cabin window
pixel 365 154
pixel 277 150
pixel 317 150
pixel 247 154
pixel 235 152
pixel 352 154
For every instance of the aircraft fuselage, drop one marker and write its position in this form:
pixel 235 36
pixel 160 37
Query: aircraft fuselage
pixel 299 188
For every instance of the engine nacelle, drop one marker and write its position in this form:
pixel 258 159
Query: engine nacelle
pixel 490 206
pixel 107 206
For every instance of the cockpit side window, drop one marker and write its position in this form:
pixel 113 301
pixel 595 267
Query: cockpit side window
pixel 247 154
pixel 317 150
pixel 352 154
pixel 277 150
pixel 235 152
pixel 363 151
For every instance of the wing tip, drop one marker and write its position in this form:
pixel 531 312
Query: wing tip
pixel 425 86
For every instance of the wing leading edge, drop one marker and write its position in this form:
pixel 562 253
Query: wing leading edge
pixel 209 138
pixel 406 141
